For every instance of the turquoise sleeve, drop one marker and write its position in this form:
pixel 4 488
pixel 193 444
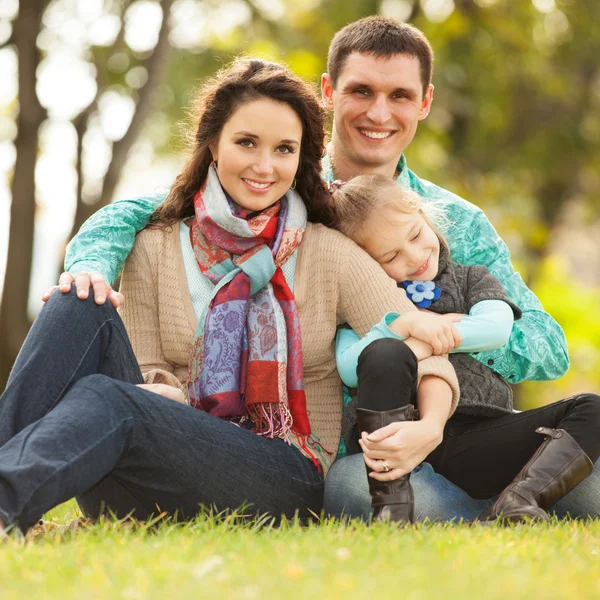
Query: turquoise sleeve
pixel 487 327
pixel 105 240
pixel 537 348
pixel 348 346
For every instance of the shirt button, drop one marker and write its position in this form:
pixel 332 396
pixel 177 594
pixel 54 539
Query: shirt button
pixel 491 362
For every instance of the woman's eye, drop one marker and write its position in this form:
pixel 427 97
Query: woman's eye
pixel 284 149
pixel 416 236
pixel 246 143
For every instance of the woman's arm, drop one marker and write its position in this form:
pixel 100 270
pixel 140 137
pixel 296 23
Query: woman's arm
pixel 406 444
pixel 140 311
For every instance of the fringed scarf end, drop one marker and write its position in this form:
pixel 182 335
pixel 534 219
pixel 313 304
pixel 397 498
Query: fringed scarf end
pixel 311 446
pixel 271 420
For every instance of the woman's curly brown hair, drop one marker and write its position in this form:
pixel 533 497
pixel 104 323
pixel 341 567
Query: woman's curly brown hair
pixel 247 80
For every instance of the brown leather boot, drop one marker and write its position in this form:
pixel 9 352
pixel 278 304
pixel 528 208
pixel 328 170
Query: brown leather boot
pixel 557 466
pixel 391 500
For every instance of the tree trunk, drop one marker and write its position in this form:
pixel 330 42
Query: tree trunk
pixel 14 321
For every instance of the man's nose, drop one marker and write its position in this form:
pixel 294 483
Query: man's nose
pixel 379 112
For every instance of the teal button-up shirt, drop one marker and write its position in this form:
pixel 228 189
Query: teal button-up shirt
pixel 537 347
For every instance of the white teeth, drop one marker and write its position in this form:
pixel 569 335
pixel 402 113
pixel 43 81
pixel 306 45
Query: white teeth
pixel 378 135
pixel 258 186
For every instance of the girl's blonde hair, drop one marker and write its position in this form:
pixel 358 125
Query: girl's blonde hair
pixel 360 198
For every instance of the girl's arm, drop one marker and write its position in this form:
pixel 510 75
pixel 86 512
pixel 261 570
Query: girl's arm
pixel 487 327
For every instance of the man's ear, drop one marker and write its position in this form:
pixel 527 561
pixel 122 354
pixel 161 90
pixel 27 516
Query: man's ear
pixel 327 91
pixel 426 104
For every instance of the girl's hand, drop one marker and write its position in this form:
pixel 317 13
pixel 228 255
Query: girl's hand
pixel 420 349
pixel 436 330
pixel 168 391
pixel 404 445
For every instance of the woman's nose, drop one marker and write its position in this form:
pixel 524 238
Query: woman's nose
pixel 263 165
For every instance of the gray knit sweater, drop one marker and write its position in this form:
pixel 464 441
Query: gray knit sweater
pixel 482 391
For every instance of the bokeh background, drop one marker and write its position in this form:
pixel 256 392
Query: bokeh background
pixel 93 97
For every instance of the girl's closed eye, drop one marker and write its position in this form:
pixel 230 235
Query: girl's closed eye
pixel 385 262
pixel 416 237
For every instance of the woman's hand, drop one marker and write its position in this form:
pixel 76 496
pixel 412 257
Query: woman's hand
pixel 403 445
pixel 168 391
pixel 83 281
pixel 436 330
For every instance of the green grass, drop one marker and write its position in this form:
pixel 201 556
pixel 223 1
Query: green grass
pixel 226 559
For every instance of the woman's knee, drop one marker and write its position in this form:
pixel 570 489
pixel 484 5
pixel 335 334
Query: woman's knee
pixel 385 356
pixel 100 394
pixel 71 302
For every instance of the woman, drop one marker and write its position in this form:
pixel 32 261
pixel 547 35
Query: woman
pixel 217 293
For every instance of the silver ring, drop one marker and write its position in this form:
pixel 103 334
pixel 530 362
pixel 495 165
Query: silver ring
pixel 385 466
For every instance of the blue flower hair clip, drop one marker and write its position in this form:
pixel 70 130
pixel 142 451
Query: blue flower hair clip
pixel 422 293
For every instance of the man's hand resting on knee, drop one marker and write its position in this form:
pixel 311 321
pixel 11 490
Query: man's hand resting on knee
pixel 83 281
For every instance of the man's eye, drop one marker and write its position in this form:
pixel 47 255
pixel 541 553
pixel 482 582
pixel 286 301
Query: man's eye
pixel 361 91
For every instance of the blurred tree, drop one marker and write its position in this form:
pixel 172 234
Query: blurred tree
pixel 14 322
pixel 152 68
pixel 514 128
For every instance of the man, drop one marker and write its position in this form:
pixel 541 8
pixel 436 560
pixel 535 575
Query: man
pixel 378 86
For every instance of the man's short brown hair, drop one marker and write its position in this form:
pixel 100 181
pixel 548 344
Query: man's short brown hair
pixel 380 37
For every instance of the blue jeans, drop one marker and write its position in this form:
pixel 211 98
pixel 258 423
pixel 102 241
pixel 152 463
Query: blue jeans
pixel 436 498
pixel 73 423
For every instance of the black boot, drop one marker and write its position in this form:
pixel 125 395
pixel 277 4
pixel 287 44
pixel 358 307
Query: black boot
pixel 391 500
pixel 557 466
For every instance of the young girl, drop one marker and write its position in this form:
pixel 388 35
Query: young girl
pixel 485 444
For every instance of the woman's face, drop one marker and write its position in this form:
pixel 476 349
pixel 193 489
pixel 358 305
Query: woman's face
pixel 258 153
pixel 403 244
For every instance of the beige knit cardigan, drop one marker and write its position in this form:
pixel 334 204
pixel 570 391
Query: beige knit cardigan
pixel 335 282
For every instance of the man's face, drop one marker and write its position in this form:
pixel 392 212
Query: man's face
pixel 377 104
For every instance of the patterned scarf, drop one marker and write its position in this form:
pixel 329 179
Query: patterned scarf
pixel 246 359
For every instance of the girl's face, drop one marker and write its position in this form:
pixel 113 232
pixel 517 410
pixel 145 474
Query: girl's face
pixel 403 244
pixel 258 153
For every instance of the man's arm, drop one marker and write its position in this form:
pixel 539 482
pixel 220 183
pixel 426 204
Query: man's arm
pixel 107 237
pixel 537 347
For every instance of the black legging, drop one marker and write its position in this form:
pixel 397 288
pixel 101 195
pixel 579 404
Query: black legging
pixel 479 454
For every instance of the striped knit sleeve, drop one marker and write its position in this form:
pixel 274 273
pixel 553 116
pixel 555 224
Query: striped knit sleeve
pixel 140 312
